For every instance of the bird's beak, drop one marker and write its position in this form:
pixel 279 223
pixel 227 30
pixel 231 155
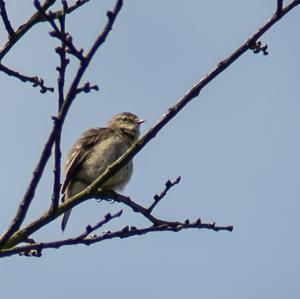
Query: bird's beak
pixel 140 121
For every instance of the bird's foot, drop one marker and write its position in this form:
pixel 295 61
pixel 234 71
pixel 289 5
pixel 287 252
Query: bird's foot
pixel 106 195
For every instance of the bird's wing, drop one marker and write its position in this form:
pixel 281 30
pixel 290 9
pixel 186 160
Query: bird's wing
pixel 80 151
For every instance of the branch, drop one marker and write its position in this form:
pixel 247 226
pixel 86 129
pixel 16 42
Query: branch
pixel 125 232
pixel 5 20
pixel 34 19
pixel 89 229
pixel 64 37
pixel 61 51
pixel 158 198
pixel 107 194
pixel 29 194
pixel 36 81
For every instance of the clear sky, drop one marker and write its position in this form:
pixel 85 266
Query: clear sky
pixel 236 147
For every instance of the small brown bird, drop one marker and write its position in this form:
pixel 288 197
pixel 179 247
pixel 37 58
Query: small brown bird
pixel 94 151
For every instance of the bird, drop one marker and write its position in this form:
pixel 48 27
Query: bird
pixel 94 151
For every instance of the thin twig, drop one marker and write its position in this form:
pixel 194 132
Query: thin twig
pixel 35 19
pixel 61 51
pixel 5 20
pixel 158 197
pixel 29 194
pixel 57 174
pixel 89 229
pixel 36 81
pixel 111 15
pixel 63 36
pixel 68 10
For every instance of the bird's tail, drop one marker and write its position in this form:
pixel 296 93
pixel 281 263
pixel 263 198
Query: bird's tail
pixel 72 189
pixel 67 214
pixel 65 220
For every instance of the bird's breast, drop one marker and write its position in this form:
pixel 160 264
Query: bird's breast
pixel 101 156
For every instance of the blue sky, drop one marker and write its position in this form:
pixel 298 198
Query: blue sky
pixel 236 147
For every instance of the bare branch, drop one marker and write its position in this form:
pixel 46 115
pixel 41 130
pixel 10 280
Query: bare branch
pixel 61 51
pixel 5 20
pixel 36 81
pixel 89 229
pixel 158 198
pixel 64 37
pixel 102 37
pixel 34 19
pixel 126 232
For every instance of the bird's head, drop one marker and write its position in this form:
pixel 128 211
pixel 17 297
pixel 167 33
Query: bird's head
pixel 127 122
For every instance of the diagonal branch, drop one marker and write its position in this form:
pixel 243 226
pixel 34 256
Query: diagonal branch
pixel 34 19
pixel 175 109
pixel 89 229
pixel 158 197
pixel 65 38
